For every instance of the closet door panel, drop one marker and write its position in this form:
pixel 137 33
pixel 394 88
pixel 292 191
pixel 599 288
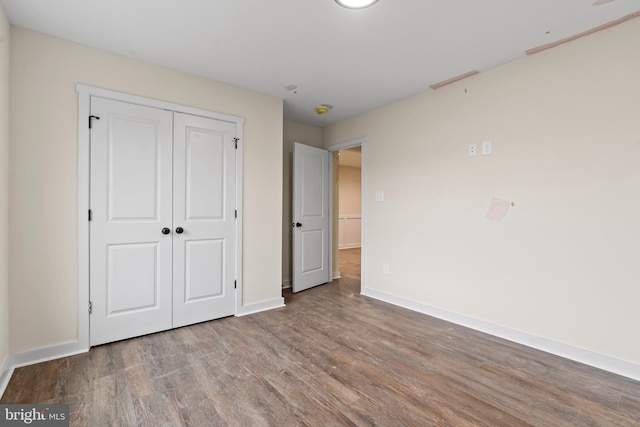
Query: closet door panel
pixel 204 209
pixel 131 202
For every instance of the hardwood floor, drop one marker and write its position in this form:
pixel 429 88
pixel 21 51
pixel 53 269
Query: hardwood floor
pixel 349 263
pixel 331 357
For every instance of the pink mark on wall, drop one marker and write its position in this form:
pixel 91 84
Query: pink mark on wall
pixel 497 209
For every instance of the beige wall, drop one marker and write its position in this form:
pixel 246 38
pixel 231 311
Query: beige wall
pixel 304 134
pixel 563 263
pixel 4 187
pixel 43 183
pixel 349 189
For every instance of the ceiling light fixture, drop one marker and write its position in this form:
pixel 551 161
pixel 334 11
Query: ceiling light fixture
pixel 356 4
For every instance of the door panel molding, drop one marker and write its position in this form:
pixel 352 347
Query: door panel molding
pixel 85 93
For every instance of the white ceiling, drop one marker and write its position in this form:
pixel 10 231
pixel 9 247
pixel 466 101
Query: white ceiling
pixel 356 60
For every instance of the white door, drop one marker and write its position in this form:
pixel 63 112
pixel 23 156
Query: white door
pixel 203 219
pixel 310 217
pixel 162 232
pixel 131 203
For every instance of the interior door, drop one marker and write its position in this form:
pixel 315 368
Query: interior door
pixel 310 217
pixel 203 219
pixel 131 203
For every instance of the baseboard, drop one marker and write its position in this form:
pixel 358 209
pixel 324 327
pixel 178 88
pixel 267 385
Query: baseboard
pixel 31 357
pixel 261 306
pixel 600 361
pixel 337 275
pixel 6 370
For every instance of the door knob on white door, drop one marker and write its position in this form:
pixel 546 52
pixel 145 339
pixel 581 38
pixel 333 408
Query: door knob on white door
pixel 179 230
pixel 166 230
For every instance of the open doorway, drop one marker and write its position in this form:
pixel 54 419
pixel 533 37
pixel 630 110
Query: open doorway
pixel 319 254
pixel 347 216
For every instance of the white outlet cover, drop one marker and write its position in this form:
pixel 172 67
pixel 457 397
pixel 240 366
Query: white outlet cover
pixel 486 148
pixel 379 196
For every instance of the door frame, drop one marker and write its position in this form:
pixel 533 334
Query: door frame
pixel 85 93
pixel 357 142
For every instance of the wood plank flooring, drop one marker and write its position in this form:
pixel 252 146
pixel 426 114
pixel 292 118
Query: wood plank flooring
pixel 330 358
pixel 349 263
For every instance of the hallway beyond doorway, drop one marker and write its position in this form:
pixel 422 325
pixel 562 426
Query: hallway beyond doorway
pixel 349 263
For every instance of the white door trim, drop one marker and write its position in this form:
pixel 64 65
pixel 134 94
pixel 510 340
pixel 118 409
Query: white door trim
pixel 84 110
pixel 362 142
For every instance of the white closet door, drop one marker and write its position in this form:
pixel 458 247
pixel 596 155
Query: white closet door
pixel 131 203
pixel 204 219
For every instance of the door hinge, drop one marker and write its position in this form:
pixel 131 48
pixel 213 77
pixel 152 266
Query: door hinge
pixel 235 284
pixel 90 215
pixel 236 213
pixel 90 307
pixel 236 141
pixel 92 117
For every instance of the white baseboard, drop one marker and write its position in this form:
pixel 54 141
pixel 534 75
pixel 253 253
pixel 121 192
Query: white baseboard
pixel 337 275
pixel 45 354
pixel 350 246
pixel 39 355
pixel 286 284
pixel 6 370
pixel 260 306
pixel 600 361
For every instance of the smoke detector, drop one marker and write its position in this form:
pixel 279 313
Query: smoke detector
pixel 323 109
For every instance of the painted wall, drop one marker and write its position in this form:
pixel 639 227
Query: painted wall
pixel 349 189
pixel 304 134
pixel 4 188
pixel 563 263
pixel 43 183
pixel 349 208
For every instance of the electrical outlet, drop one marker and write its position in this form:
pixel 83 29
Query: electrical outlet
pixel 379 196
pixel 486 148
pixel 473 149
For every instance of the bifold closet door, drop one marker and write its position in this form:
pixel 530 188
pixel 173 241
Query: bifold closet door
pixel 131 206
